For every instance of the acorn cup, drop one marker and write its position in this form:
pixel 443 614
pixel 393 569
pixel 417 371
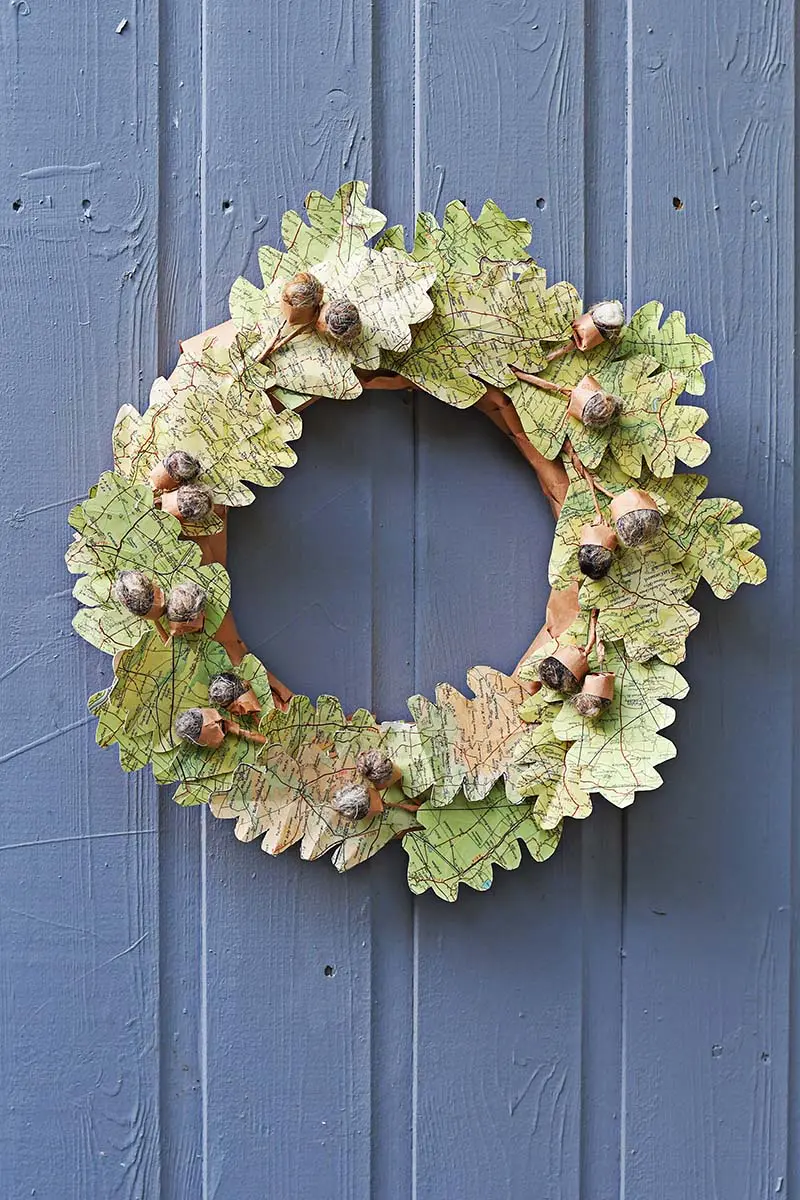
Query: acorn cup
pixel 192 502
pixel 596 694
pixel 301 299
pixel 564 670
pixel 186 609
pixel 228 691
pixel 176 468
pixel 636 517
pixel 339 319
pixel 592 406
pixel 596 553
pixel 207 727
pixel 602 323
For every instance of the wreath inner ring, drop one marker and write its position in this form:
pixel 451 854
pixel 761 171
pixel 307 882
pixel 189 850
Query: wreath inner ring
pixel 590 400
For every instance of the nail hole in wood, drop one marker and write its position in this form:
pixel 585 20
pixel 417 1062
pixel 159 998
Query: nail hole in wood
pixel 17 205
pixel 677 202
pixel 541 202
pixel 329 971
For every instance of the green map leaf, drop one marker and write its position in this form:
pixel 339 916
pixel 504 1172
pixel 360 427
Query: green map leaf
pixel 212 411
pixel 669 344
pixel 463 244
pixel 463 842
pixel 616 754
pixel 542 767
pixel 119 529
pixel 338 227
pixel 720 551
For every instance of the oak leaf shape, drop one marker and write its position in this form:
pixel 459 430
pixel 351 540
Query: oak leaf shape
pixel 462 843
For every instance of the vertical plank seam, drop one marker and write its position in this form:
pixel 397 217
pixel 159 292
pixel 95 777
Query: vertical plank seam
pixel 623 1065
pixel 415 937
pixel 203 1023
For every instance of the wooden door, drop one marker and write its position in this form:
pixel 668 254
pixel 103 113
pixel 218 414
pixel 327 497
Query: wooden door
pixel 181 1016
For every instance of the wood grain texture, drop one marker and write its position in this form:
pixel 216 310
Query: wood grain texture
pixel 79 888
pixel 708 879
pixel 181 1015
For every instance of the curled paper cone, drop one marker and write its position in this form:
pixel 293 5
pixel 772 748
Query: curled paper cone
pixel 156 609
pixel 212 733
pixel 631 501
pixel 583 390
pixel 245 705
pixel 160 480
pixel 238 731
pixel 599 535
pixel 585 333
pixel 376 805
pixel 600 685
pixel 169 502
pixel 574 659
pixel 178 628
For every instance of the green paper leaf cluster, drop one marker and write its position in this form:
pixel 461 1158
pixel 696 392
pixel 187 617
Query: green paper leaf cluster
pixel 463 309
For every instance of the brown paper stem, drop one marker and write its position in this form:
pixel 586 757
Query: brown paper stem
pixel 546 384
pixel 239 731
pixel 567 348
pixel 592 638
pixel 593 483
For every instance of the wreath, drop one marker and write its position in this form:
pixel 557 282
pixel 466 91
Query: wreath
pixel 590 400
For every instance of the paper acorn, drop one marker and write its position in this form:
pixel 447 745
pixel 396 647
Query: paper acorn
pixel 564 669
pixel 339 319
pixel 139 594
pixel 186 608
pixel 301 299
pixel 353 801
pixel 498 765
pixel 596 552
pixel 208 727
pixel 191 502
pixel 596 694
pixel 636 517
pixel 378 768
pixel 593 407
pixel 227 690
pixel 176 468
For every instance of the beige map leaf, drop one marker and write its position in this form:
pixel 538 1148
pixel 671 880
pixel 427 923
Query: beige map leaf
pixel 541 767
pixel 466 744
pixel 286 797
pixel 338 227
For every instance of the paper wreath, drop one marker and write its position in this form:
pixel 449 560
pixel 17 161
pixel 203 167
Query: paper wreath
pixel 592 403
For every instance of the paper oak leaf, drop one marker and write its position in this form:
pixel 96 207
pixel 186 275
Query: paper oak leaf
pixel 465 841
pixel 617 753
pixel 669 344
pixel 286 797
pixel 462 744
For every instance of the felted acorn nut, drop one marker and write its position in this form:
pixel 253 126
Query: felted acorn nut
pixel 301 298
pixel 202 726
pixel 224 688
pixel 591 405
pixel 227 690
pixel 609 317
pixel 352 801
pixel 191 502
pixel 138 594
pixel 185 602
pixel 176 468
pixel 339 319
pixel 596 552
pixel 375 766
pixel 564 670
pixel 636 517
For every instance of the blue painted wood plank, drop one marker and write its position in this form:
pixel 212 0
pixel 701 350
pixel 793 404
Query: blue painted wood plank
pixel 499 984
pixel 180 874
pixel 322 578
pixel 79 920
pixel 708 882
